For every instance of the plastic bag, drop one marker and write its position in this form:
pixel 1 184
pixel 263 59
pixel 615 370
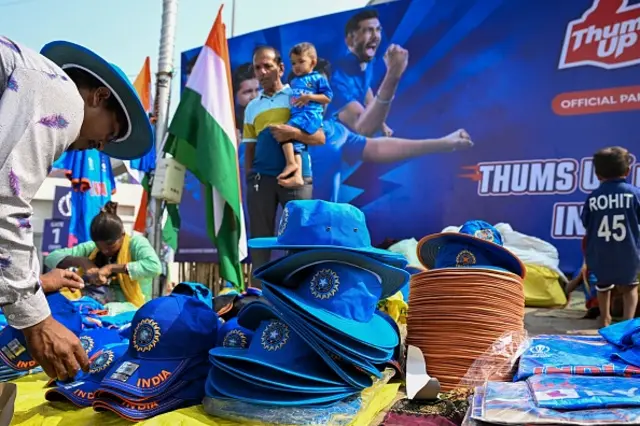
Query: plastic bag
pixel 498 362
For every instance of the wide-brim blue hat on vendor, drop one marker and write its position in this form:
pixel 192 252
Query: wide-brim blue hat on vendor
pixel 477 245
pixel 340 295
pixel 13 344
pixel 277 355
pixel 136 139
pixel 317 224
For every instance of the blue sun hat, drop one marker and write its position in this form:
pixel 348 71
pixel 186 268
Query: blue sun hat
pixel 347 371
pixel 233 335
pixel 317 224
pixel 392 279
pixel 197 290
pixel 170 335
pixel 341 295
pixel 221 382
pixel 477 245
pixel 136 139
pixel 276 352
pixel 329 338
pixel 81 391
pixel 13 345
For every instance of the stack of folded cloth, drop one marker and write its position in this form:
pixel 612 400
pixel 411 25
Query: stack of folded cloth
pixel 317 339
pixel 13 345
pixel 163 367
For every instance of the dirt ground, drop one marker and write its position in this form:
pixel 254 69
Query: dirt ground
pixel 568 320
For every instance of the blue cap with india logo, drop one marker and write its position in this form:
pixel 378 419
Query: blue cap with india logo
pixel 81 391
pixel 13 345
pixel 170 334
pixel 476 245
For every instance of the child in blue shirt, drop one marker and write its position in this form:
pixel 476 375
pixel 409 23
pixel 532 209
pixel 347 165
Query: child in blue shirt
pixel 611 217
pixel 310 93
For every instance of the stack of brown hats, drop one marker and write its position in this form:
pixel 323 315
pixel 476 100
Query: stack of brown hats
pixel 471 294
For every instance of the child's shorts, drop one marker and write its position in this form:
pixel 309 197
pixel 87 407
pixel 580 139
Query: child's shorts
pixel 603 288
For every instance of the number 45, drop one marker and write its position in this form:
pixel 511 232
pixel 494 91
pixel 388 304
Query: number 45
pixel 617 230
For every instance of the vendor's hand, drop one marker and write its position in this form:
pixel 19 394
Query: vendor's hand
pixel 61 278
pixel 283 132
pixel 56 349
pixel 99 276
pixel 104 274
pixel 301 100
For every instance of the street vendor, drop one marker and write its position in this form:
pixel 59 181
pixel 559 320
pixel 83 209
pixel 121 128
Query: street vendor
pixel 116 267
pixel 66 98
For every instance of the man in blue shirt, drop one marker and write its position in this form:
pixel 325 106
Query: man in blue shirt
pixel 354 103
pixel 264 130
pixel 344 146
pixel 611 217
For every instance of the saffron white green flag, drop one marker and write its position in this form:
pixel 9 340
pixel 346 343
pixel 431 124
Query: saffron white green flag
pixel 202 137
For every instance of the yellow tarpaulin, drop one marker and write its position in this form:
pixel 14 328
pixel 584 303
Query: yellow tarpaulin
pixel 33 410
pixel 542 288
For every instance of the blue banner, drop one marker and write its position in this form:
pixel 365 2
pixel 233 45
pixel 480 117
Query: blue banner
pixel 539 87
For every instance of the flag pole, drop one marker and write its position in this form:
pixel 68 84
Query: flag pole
pixel 161 112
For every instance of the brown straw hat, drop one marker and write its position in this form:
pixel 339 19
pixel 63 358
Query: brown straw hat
pixel 456 314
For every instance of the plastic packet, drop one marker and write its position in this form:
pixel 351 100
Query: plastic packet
pixel 498 362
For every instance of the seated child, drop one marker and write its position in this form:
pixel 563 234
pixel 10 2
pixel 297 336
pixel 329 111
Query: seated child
pixel 311 92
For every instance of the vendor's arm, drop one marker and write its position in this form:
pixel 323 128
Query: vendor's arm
pixel 145 262
pixel 72 257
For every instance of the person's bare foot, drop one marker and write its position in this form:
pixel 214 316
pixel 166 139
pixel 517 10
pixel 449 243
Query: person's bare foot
pixel 605 321
pixel 294 181
pixel 288 172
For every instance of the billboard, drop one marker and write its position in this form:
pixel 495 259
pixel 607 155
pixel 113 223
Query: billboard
pixel 539 86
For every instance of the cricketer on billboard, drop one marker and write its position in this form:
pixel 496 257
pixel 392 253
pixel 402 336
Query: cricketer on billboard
pixel 539 86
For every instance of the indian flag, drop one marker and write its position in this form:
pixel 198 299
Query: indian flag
pixel 202 137
pixel 143 87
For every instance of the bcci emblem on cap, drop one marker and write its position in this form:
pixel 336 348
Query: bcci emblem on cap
pixel 101 361
pixel 146 335
pixel 325 284
pixel 275 335
pixel 87 343
pixel 235 339
pixel 465 258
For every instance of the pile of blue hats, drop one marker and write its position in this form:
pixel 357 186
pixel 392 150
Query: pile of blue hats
pixel 318 338
pixel 163 367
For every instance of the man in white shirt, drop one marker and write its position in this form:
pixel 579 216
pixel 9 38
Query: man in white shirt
pixel 67 98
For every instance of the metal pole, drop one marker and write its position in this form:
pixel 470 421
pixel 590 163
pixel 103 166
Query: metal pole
pixel 161 111
pixel 233 18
